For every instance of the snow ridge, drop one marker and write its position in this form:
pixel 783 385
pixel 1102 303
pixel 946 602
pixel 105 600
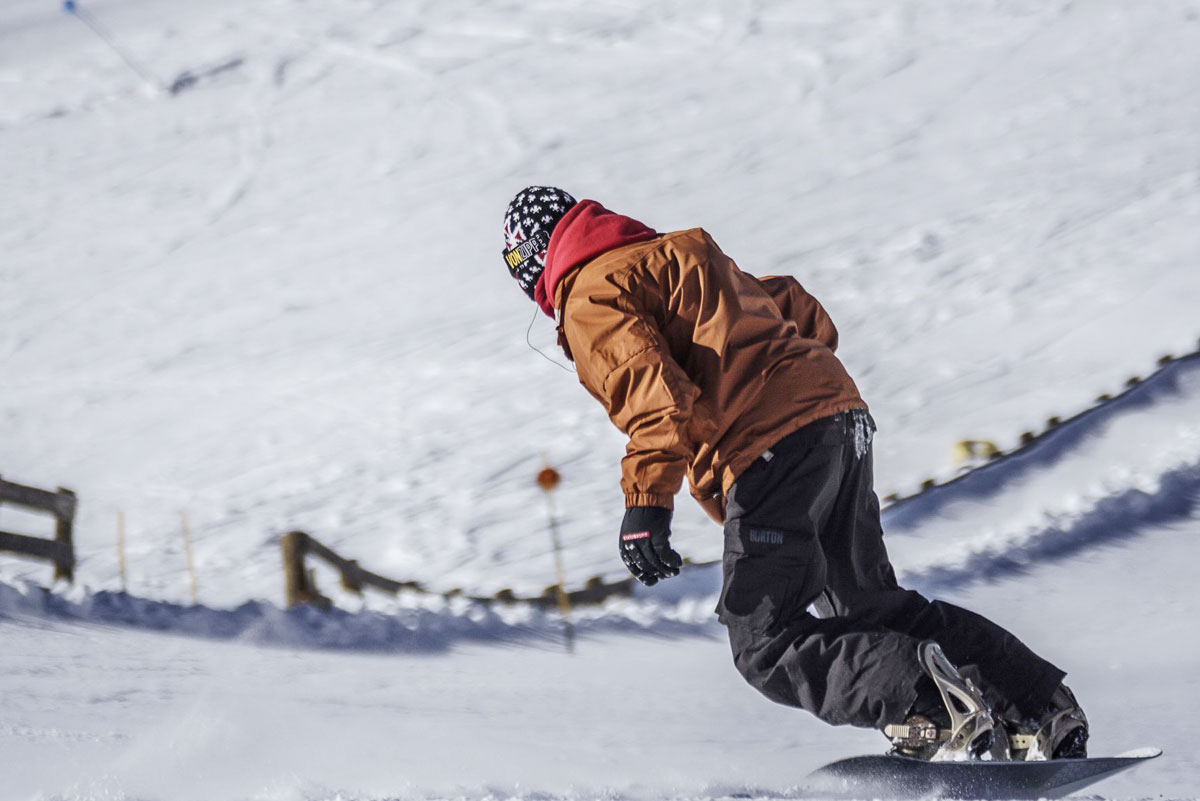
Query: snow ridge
pixel 1049 447
pixel 1095 480
pixel 413 625
pixel 1112 519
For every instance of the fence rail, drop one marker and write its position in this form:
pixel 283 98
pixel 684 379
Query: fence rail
pixel 301 585
pixel 62 504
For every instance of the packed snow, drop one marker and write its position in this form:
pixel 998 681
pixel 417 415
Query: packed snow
pixel 251 283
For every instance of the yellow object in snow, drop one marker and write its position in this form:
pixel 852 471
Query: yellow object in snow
pixel 969 450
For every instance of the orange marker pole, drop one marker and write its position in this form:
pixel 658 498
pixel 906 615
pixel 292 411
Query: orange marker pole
pixel 548 479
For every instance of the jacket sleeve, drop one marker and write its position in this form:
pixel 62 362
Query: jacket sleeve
pixel 803 309
pixel 624 362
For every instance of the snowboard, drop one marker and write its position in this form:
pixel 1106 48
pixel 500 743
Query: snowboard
pixel 901 777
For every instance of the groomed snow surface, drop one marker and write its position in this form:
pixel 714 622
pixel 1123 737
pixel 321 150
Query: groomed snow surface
pixel 272 300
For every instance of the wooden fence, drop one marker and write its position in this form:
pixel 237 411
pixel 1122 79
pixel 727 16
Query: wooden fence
pixel 301 586
pixel 61 504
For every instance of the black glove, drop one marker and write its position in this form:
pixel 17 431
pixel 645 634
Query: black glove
pixel 646 544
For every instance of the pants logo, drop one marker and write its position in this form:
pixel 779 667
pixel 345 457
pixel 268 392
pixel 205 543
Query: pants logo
pixel 765 536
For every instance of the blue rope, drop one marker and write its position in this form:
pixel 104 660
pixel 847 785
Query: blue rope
pixel 83 15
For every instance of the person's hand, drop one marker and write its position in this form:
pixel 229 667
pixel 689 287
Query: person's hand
pixel 646 544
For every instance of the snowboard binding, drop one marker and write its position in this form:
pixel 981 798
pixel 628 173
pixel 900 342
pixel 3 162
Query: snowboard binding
pixel 1062 732
pixel 963 729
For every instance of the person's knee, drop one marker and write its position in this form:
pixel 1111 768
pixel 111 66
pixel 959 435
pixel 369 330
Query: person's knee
pixel 765 659
pixel 889 608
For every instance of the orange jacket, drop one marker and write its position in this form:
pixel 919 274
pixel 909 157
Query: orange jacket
pixel 703 366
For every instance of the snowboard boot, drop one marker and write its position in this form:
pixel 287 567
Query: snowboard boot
pixel 1060 733
pixel 949 721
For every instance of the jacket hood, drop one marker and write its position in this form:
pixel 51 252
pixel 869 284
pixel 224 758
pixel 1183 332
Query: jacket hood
pixel 586 231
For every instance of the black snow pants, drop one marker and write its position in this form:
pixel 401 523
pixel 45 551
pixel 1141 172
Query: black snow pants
pixel 802 529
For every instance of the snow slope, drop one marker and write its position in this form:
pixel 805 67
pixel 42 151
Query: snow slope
pixel 96 713
pixel 273 300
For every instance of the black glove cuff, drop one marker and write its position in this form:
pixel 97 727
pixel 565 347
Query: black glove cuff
pixel 646 518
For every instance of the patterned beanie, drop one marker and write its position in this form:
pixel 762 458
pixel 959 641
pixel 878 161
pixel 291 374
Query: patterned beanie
pixel 528 223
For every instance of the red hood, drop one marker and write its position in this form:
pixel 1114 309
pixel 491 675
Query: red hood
pixel 586 231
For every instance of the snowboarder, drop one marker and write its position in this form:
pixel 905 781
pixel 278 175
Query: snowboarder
pixel 732 381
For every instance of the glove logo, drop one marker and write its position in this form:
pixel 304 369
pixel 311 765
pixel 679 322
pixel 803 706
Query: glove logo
pixel 635 535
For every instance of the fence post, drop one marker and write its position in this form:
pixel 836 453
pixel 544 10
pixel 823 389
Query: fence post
pixel 294 578
pixel 64 528
pixel 299 585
